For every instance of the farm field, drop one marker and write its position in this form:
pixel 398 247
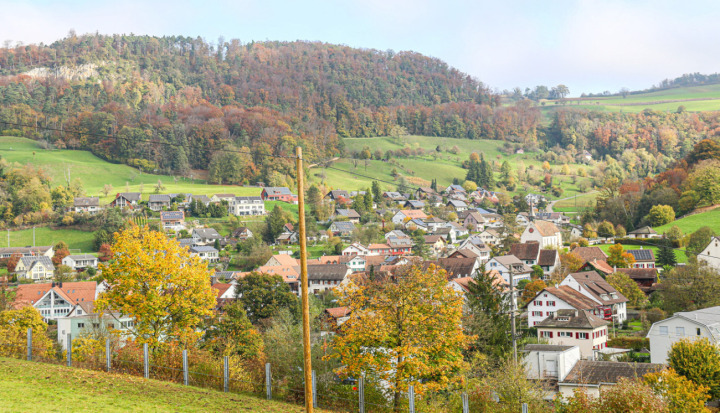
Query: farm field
pixel 96 173
pixel 46 387
pixel 692 223
pixel 76 239
pixel 679 255
pixel 573 205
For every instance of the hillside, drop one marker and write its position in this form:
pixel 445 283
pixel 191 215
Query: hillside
pixel 30 386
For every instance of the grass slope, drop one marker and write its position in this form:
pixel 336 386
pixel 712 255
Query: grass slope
pixel 76 239
pixel 692 223
pixel 27 386
pixel 96 173
pixel 679 255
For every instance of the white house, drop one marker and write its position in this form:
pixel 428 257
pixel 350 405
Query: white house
pixel 90 205
pixel 594 376
pixel 711 253
pixel 552 299
pixel 35 268
pixel 55 300
pixel 82 320
pixel 323 277
pixel 550 361
pixel 407 214
pixel 79 262
pixel 246 205
pixel 206 253
pixel 575 328
pixel 544 232
pixel 356 249
pixel 610 301
pixel 158 202
pixel 693 325
pixel 644 232
pixel 126 199
pixel 204 236
pixel 47 251
pixel 503 264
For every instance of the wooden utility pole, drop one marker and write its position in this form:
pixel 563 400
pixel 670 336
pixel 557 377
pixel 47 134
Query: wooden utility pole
pixel 304 286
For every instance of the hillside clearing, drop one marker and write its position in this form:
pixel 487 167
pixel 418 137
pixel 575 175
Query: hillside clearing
pixel 30 386
pixel 692 223
pixel 76 239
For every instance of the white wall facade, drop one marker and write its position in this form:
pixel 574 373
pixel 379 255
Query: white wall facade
pixel 551 364
pixel 665 333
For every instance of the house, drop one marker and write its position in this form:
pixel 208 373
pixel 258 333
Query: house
pixel 356 249
pixel 434 223
pixel 474 220
pixel 692 325
pixel 281 193
pixel 490 237
pixel 462 284
pixel 424 191
pixel 436 243
pixel 644 232
pixel 458 267
pixel 412 204
pixel 126 199
pixel 534 199
pixel 205 236
pixel 590 254
pixel 323 277
pixel 332 318
pixel 528 253
pixel 342 228
pixel 379 249
pixel 339 196
pixel 288 238
pixel 218 198
pixel 644 258
pixel 460 231
pixel 242 233
pixel 600 267
pixel 594 376
pixel 476 244
pixel 46 251
pixel 551 299
pixel 711 253
pixel 172 220
pixel 201 199
pixel 645 278
pixel 455 189
pixel 280 260
pixel 35 268
pixel 83 320
pixel 457 205
pixel 610 302
pixel 399 246
pixel 55 300
pixel 505 263
pixel 157 202
pixel 557 218
pixel 550 361
pixel 80 262
pixel 573 327
pixel 246 205
pixel 544 232
pixel 407 214
pixel 396 234
pixel 351 214
pixel 415 224
pixel 88 205
pixel 394 197
pixel 205 253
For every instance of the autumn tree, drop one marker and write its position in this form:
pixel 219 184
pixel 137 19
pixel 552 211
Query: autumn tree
pixel 155 281
pixel 107 188
pixel 262 295
pixel 105 253
pixel 689 287
pixel 13 262
pixel 405 329
pixel 531 290
pixel 627 287
pixel 660 215
pixel 59 255
pixel 680 394
pixel 233 334
pixel 571 262
pixel 617 257
pixel 699 361
pixel 699 240
pixel 705 181
pixel 606 229
pixel 13 332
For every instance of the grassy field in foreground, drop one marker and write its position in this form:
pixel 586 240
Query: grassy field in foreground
pixel 96 173
pixel 76 239
pixel 27 386
pixel 679 255
pixel 692 223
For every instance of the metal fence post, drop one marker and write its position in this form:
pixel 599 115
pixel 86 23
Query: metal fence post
pixel 69 350
pixel 361 393
pixel 465 403
pixel 226 374
pixel 146 361
pixel 314 389
pixel 268 381
pixel 524 408
pixel 108 355
pixel 411 399
pixel 185 368
pixel 29 344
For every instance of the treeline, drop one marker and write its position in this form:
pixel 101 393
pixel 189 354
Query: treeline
pixel 175 101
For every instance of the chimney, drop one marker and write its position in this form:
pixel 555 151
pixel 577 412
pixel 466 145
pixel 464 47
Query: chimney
pixel 53 284
pixel 614 268
pixel 59 285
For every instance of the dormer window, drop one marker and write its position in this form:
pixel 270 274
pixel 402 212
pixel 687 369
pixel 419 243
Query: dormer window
pixel 613 295
pixel 604 296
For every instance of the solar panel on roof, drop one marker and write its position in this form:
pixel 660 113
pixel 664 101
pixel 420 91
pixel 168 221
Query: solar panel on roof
pixel 642 255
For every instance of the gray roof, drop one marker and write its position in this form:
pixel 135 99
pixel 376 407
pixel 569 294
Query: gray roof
pixel 159 198
pixel 277 190
pixel 25 250
pixel 457 203
pixel 707 316
pixel 242 199
pixel 165 215
pixel 546 347
pixel 327 271
pixel 201 198
pixel 573 319
pixel 131 196
pixel 643 230
pixel 507 260
pixel 344 226
pixel 600 372
pixel 350 213
pixel 86 201
pixel 185 242
pixel 597 286
pixel 30 261
pixel 642 255
pixel 82 257
pixel 209 233
pixel 203 249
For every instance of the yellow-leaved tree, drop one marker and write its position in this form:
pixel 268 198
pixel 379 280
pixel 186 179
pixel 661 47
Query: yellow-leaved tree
pixel 155 280
pixel 403 329
pixel 13 332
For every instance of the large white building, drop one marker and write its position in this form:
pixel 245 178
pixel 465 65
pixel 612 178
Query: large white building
pixel 246 205
pixel 693 325
pixel 545 233
pixel 575 328
pixel 610 301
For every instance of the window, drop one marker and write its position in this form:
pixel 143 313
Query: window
pixel 565 334
pixel 698 331
pixel 663 330
pixel 546 334
pixel 680 331
pixel 581 336
pixel 538 303
pixel 81 325
pixel 549 313
pixel 551 303
pixel 537 313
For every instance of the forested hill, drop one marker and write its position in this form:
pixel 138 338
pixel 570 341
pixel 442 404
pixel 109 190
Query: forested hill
pixel 265 97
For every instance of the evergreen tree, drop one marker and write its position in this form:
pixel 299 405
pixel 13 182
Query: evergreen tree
pixel 376 190
pixel 275 221
pixel 489 315
pixel 368 200
pixel 666 255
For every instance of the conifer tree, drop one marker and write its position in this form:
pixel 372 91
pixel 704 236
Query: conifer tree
pixel 489 314
pixel 666 255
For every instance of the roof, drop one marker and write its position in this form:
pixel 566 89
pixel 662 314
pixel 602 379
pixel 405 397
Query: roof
pixel 86 201
pixel 642 255
pixel 643 230
pixel 203 248
pixel 350 213
pixel 548 258
pixel 590 253
pixel 378 246
pixel 571 296
pixel 277 190
pixel 335 259
pixel 601 372
pixel 431 239
pixel 201 198
pixel 82 257
pixel 597 287
pixel 337 193
pixel 413 213
pixel 159 198
pixel 74 291
pixel 706 316
pixel 457 203
pixel 457 267
pixel 507 260
pixel 546 347
pixel 171 215
pixel 327 271
pixel 545 228
pixel 415 203
pixel 285 259
pixel 25 250
pixel 640 273
pixel 224 195
pixel 602 266
pixel 527 251
pixel 242 199
pixel 289 273
pixel 573 319
pixel 130 196
pixel 206 233
pixel 344 226
pixel 221 288
pixel 30 261
pixel 464 252
pixel 338 312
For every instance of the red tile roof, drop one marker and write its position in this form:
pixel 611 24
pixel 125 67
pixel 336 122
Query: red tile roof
pixel 74 292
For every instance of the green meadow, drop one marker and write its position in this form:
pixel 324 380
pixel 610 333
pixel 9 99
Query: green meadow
pixel 692 223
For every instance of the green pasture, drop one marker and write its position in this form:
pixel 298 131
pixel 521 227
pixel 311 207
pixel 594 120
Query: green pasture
pixel 692 223
pixel 76 239
pixel 679 255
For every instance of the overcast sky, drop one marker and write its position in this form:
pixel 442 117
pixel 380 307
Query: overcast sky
pixel 590 46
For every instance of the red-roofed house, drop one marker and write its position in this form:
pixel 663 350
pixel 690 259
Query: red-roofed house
pixel 55 300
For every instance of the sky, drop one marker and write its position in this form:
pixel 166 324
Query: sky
pixel 589 46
